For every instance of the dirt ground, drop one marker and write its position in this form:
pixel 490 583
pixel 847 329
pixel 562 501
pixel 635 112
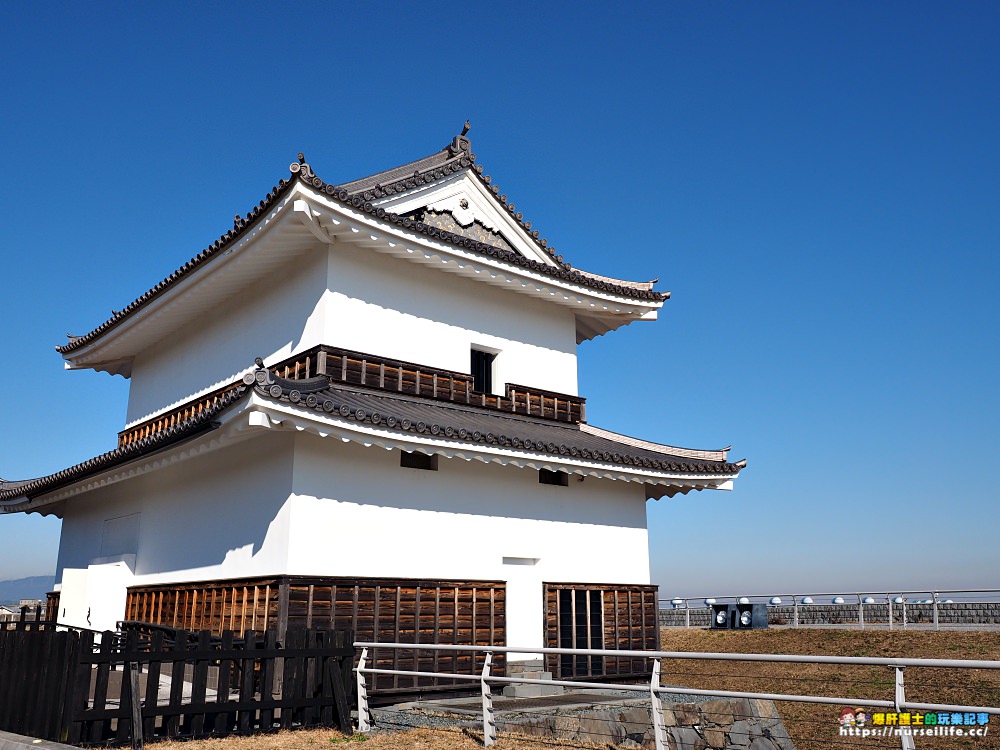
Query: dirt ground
pixel 812 727
pixel 816 726
pixel 423 739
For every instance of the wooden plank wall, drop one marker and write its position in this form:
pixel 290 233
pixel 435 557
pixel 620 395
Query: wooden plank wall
pixel 407 611
pixel 213 605
pixel 52 611
pixel 378 609
pixel 629 623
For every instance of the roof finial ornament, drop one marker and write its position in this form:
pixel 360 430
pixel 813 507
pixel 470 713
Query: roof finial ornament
pixel 460 142
pixel 259 362
pixel 302 158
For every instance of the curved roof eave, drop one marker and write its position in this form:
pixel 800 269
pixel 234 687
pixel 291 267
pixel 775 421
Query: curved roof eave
pixel 18 496
pixel 313 406
pixel 666 483
pixel 463 429
pixel 301 173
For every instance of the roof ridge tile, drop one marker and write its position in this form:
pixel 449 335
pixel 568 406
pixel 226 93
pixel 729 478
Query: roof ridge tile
pixel 460 157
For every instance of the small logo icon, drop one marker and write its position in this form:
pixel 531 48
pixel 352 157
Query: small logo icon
pixel 853 717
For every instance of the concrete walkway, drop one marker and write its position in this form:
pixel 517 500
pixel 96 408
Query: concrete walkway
pixel 10 741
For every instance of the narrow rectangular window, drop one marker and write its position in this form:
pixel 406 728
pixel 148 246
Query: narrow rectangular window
pixel 482 371
pixel 558 478
pixel 581 626
pixel 417 460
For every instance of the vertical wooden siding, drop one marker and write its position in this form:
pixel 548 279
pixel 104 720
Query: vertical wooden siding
pixel 407 611
pixel 52 606
pixel 629 623
pixel 377 609
pixel 213 605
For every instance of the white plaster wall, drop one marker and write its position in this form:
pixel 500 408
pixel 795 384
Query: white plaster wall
pixel 299 504
pixel 356 512
pixel 94 597
pixel 358 299
pixel 224 514
pixel 391 307
pixel 272 319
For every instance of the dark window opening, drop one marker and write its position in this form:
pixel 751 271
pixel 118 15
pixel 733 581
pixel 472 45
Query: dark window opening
pixel 418 461
pixel 581 626
pixel 558 478
pixel 482 371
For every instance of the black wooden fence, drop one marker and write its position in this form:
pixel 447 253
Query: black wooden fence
pixel 110 688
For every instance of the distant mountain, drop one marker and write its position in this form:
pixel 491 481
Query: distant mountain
pixel 35 587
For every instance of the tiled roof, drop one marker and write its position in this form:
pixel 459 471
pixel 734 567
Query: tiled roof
pixel 411 417
pixel 162 439
pixel 454 157
pixel 358 195
pixel 362 201
pixel 240 224
pixel 417 417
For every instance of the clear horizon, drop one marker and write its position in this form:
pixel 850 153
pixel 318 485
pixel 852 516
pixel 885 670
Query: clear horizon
pixel 815 184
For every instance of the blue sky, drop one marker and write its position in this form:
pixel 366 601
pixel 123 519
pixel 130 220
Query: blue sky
pixel 816 184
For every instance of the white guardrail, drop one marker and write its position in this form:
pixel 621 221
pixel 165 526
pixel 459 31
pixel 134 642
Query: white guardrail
pixel 895 601
pixel 485 679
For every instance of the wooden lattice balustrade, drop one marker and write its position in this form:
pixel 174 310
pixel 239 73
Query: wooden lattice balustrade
pixel 369 371
pixel 174 417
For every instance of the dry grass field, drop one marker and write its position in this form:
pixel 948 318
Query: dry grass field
pixel 811 727
pixel 420 739
pixel 815 726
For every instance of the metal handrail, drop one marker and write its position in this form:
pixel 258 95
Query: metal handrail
pixel 898 702
pixel 707 655
pixel 876 592
pixel 795 601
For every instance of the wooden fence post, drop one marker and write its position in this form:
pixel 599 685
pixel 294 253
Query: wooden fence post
pixel 224 721
pixel 157 651
pixel 177 668
pixel 81 688
pixel 268 668
pixel 339 670
pixel 135 699
pixel 99 729
pixel 66 704
pixel 199 683
pixel 245 722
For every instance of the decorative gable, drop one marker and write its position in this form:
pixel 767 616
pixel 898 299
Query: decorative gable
pixel 451 221
pixel 461 204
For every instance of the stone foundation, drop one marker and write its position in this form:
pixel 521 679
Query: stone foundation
pixel 530 670
pixel 725 724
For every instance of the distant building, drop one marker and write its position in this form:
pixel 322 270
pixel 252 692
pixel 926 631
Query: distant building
pixel 409 457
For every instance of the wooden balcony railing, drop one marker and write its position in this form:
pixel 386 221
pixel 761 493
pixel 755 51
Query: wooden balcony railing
pixel 370 371
pixel 378 373
pixel 165 421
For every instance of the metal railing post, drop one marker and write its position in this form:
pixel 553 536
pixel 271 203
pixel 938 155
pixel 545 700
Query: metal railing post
pixel 888 600
pixel 364 715
pixel 489 725
pixel 904 613
pixel 795 611
pixel 900 699
pixel 861 613
pixel 934 594
pixel 687 614
pixel 656 708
